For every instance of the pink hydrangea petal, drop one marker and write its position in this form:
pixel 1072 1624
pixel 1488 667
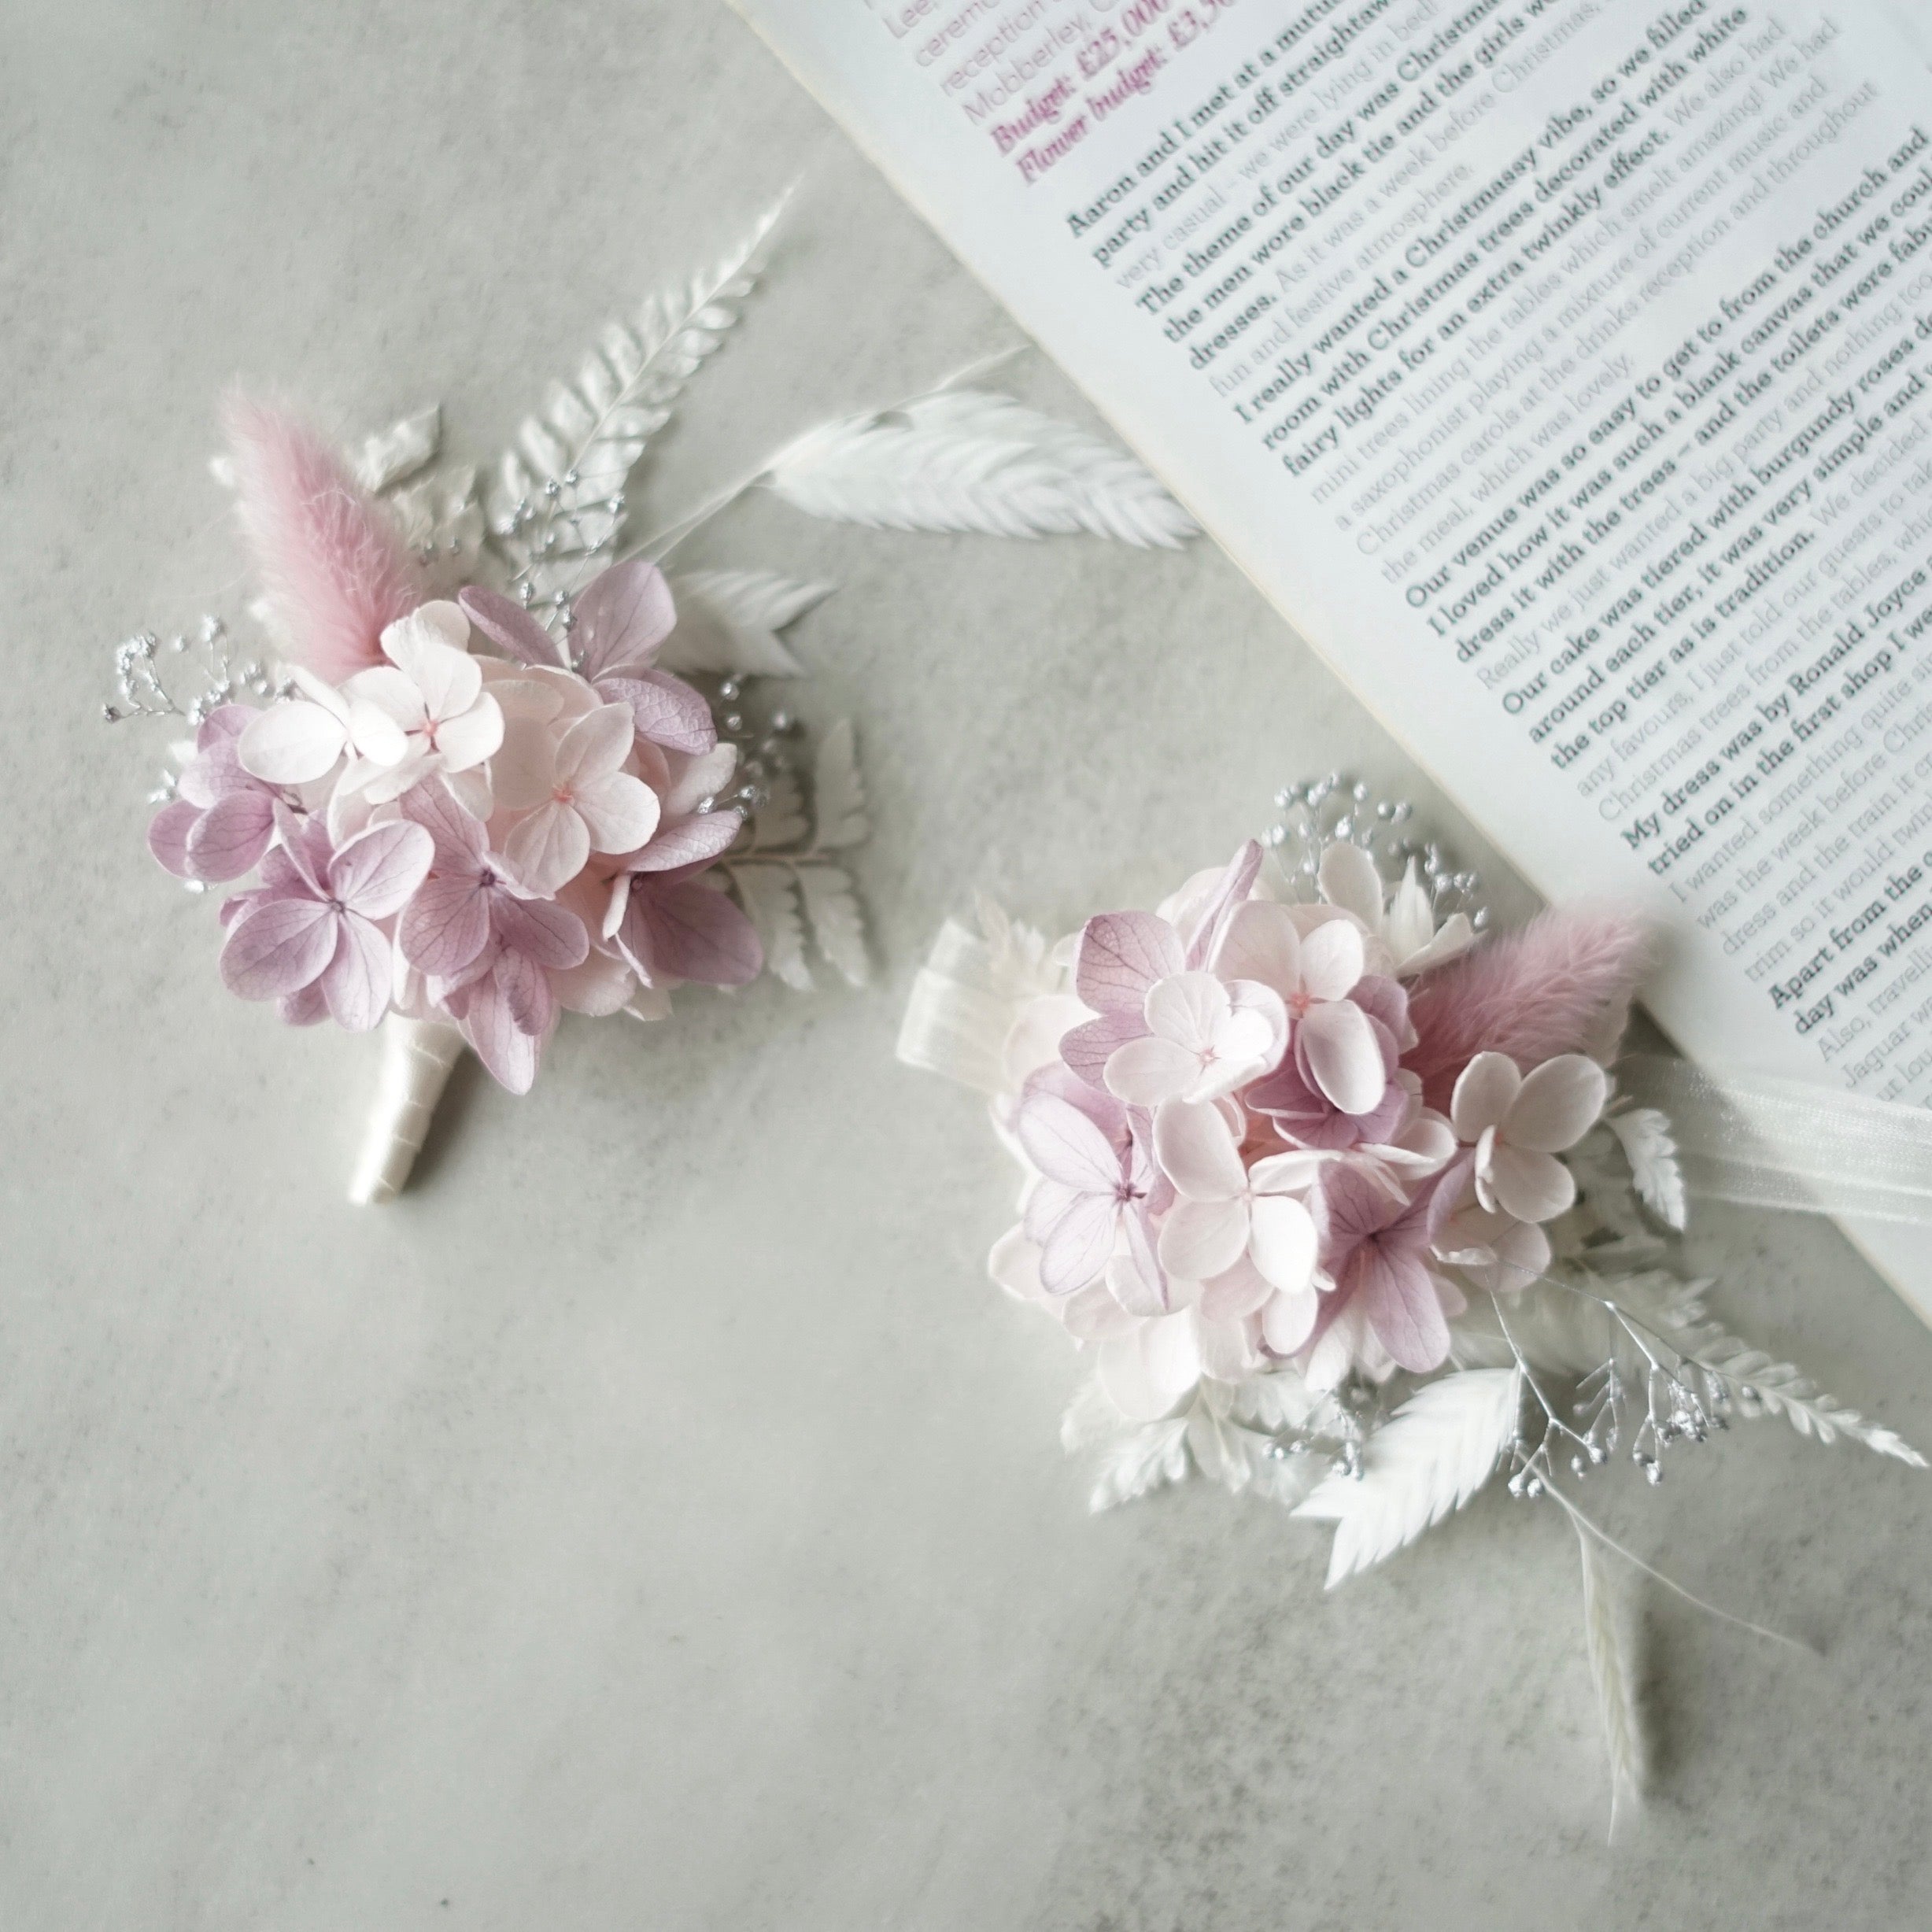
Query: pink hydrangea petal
pixel 446 925
pixel 167 835
pixel 523 771
pixel 306 1006
pixel 1198 1153
pixel 1191 1009
pixel 1200 1239
pixel 472 736
pixel 1065 1145
pixel 510 1056
pixel 548 848
pixel 1531 1186
pixel 291 742
pixel 1556 1105
pixel 276 946
pixel 599 985
pixel 1350 879
pixel 376 871
pixel 1146 1071
pixel 1242 1291
pixel 1076 1249
pixel 1337 1041
pixel 527 992
pixel 355 982
pixel 1260 942
pixel 1332 961
pixel 1281 1238
pixel 595 745
pixel 1123 954
pixel 1288 1320
pixel 619 812
pixel 511 627
pixel 1348 1208
pixel 1484 1090
pixel 1234 885
pixel 1134 1275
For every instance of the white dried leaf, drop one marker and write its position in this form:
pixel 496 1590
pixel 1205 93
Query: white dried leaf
pixel 771 897
pixel 1616 1699
pixel 837 925
pixel 1140 1461
pixel 838 801
pixel 968 459
pixel 728 621
pixel 781 823
pixel 392 455
pixel 1645 1136
pixel 1430 1457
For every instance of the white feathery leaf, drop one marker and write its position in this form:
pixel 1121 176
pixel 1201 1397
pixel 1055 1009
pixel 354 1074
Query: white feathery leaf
pixel 1645 1136
pixel 1430 1457
pixel 1616 1699
pixel 1140 1461
pixel 390 455
pixel 781 821
pixel 728 621
pixel 770 896
pixel 838 802
pixel 1091 1419
pixel 572 461
pixel 1759 1385
pixel 836 924
pixel 969 459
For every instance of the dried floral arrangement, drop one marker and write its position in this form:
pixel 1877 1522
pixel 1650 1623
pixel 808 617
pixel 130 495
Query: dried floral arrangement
pixel 1337 1191
pixel 490 762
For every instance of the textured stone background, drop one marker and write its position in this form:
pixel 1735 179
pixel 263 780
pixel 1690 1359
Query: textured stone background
pixel 655 1519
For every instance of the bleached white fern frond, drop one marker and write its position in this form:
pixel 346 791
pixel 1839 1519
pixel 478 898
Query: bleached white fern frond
pixel 1758 1384
pixel 729 622
pixel 1645 1136
pixel 1141 1460
pixel 837 927
pixel 1616 1697
pixel 770 893
pixel 838 793
pixel 1430 1457
pixel 557 496
pixel 393 454
pixel 968 459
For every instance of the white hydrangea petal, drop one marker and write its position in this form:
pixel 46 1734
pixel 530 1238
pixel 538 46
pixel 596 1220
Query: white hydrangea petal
pixel 1344 1054
pixel 1200 1239
pixel 596 744
pixel 1197 1153
pixel 1146 1072
pixel 1557 1104
pixel 1332 960
pixel 1281 1238
pixel 1350 879
pixel 1484 1091
pixel 1532 1187
pixel 1260 942
pixel 1189 1009
pixel 291 742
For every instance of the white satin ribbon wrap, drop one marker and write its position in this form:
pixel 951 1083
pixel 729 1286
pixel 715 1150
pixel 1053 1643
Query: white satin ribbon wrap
pixel 1772 1142
pixel 962 1010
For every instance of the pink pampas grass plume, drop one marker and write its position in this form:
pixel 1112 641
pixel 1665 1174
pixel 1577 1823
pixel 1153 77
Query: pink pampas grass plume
pixel 1563 985
pixel 334 568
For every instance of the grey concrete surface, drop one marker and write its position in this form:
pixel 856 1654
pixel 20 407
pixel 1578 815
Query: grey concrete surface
pixel 655 1519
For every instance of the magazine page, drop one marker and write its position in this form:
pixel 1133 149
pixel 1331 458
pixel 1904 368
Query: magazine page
pixel 1560 369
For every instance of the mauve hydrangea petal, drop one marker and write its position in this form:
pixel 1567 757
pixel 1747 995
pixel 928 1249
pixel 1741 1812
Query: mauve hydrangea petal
pixel 546 933
pixel 231 835
pixel 376 871
pixel 460 839
pixel 1076 1249
pixel 687 842
pixel 276 946
pixel 355 982
pixel 167 835
pixel 1122 955
pixel 306 1006
pixel 664 709
pixel 526 992
pixel 697 934
pixel 1065 1145
pixel 1233 886
pixel 508 625
pixel 622 619
pixel 1398 1296
pixel 510 1056
pixel 445 926
pixel 1087 1048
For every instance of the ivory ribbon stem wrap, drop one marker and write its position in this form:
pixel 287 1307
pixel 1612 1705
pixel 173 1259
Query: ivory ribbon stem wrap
pixel 417 1056
pixel 1771 1142
pixel 961 1009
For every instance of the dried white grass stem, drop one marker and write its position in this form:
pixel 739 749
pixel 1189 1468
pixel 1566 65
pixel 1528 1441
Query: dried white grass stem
pixel 417 1056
